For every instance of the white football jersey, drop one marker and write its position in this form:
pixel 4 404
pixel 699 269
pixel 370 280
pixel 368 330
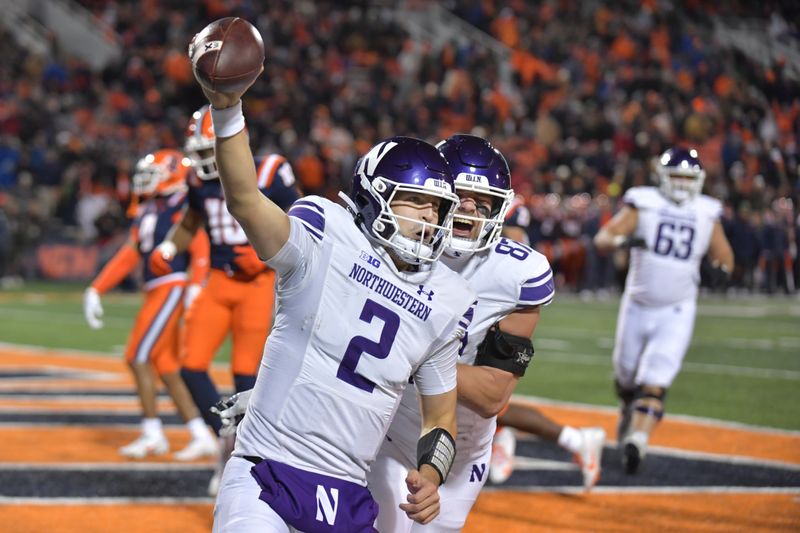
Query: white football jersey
pixel 677 238
pixel 350 329
pixel 507 277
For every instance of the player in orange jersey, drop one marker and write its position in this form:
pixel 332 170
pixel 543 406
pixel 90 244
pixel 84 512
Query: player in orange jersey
pixel 160 184
pixel 239 296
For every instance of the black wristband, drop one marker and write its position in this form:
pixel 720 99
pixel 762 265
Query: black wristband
pixel 437 448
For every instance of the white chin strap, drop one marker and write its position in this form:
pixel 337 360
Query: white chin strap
pixel 411 251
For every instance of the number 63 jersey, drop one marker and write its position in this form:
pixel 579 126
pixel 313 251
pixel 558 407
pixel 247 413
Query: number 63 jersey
pixel 350 329
pixel 677 237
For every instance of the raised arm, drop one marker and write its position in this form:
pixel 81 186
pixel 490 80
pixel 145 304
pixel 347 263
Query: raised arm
pixel 266 225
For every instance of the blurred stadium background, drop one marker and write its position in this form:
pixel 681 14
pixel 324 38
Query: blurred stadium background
pixel 579 95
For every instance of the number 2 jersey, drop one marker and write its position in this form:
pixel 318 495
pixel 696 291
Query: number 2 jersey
pixel 350 329
pixel 677 238
pixel 507 277
pixel 275 181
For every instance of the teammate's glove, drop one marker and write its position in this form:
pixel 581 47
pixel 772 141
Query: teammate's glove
pixel 247 260
pixel 718 276
pixel 92 308
pixel 160 258
pixel 190 294
pixel 629 241
pixel 231 411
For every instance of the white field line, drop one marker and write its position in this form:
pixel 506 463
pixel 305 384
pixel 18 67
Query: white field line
pixel 639 490
pixel 35 315
pixel 532 463
pixel 93 467
pixel 714 369
pixel 689 419
pixel 606 340
pixel 4 500
pixel 46 351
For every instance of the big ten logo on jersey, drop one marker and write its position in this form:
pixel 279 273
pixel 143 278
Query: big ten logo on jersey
pixel 327 505
pixel 369 259
pixel 223 228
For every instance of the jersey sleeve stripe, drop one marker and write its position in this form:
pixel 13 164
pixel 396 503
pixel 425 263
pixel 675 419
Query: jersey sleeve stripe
pixel 308 216
pixel 313 222
pixel 538 279
pixel 466 318
pixel 312 205
pixel 538 294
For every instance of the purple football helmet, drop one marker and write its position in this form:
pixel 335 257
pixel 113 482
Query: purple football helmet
pixel 479 167
pixel 395 165
pixel 680 174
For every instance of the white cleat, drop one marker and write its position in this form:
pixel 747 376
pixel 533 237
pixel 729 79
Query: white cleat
pixel 197 449
pixel 590 455
pixel 145 445
pixel 503 447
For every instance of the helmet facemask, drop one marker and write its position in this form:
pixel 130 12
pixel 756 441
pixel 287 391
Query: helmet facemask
pixel 428 241
pixel 199 144
pixel 161 173
pixel 490 227
pixel 680 175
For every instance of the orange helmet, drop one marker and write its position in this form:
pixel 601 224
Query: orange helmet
pixel 161 173
pixel 199 145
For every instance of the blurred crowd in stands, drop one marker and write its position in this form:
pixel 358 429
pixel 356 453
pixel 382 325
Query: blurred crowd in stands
pixel 596 90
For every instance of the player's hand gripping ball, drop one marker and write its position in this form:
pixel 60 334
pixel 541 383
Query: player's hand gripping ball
pixel 227 55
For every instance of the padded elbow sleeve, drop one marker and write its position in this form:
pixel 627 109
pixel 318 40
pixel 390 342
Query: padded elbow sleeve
pixel 505 351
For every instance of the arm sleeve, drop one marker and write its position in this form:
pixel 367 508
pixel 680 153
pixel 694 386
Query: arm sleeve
pixel 199 250
pixel 123 262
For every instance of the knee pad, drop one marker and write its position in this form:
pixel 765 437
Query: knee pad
pixel 626 395
pixel 649 400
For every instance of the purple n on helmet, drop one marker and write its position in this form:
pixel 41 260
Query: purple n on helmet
pixel 403 164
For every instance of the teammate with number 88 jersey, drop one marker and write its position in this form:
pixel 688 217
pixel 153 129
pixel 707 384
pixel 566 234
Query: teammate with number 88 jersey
pixel 238 297
pixel 495 351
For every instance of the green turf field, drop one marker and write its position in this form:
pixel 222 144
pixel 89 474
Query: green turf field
pixel 743 365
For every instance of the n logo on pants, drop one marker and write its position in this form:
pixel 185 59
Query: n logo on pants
pixel 327 506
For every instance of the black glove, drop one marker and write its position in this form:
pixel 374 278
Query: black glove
pixel 718 277
pixel 631 241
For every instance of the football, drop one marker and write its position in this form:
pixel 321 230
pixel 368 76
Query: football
pixel 227 55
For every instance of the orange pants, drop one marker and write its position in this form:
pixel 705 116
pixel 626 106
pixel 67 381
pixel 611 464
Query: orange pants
pixel 155 332
pixel 241 306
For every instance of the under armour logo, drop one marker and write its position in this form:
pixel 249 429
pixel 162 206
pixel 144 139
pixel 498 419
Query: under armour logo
pixel 422 291
pixel 209 46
